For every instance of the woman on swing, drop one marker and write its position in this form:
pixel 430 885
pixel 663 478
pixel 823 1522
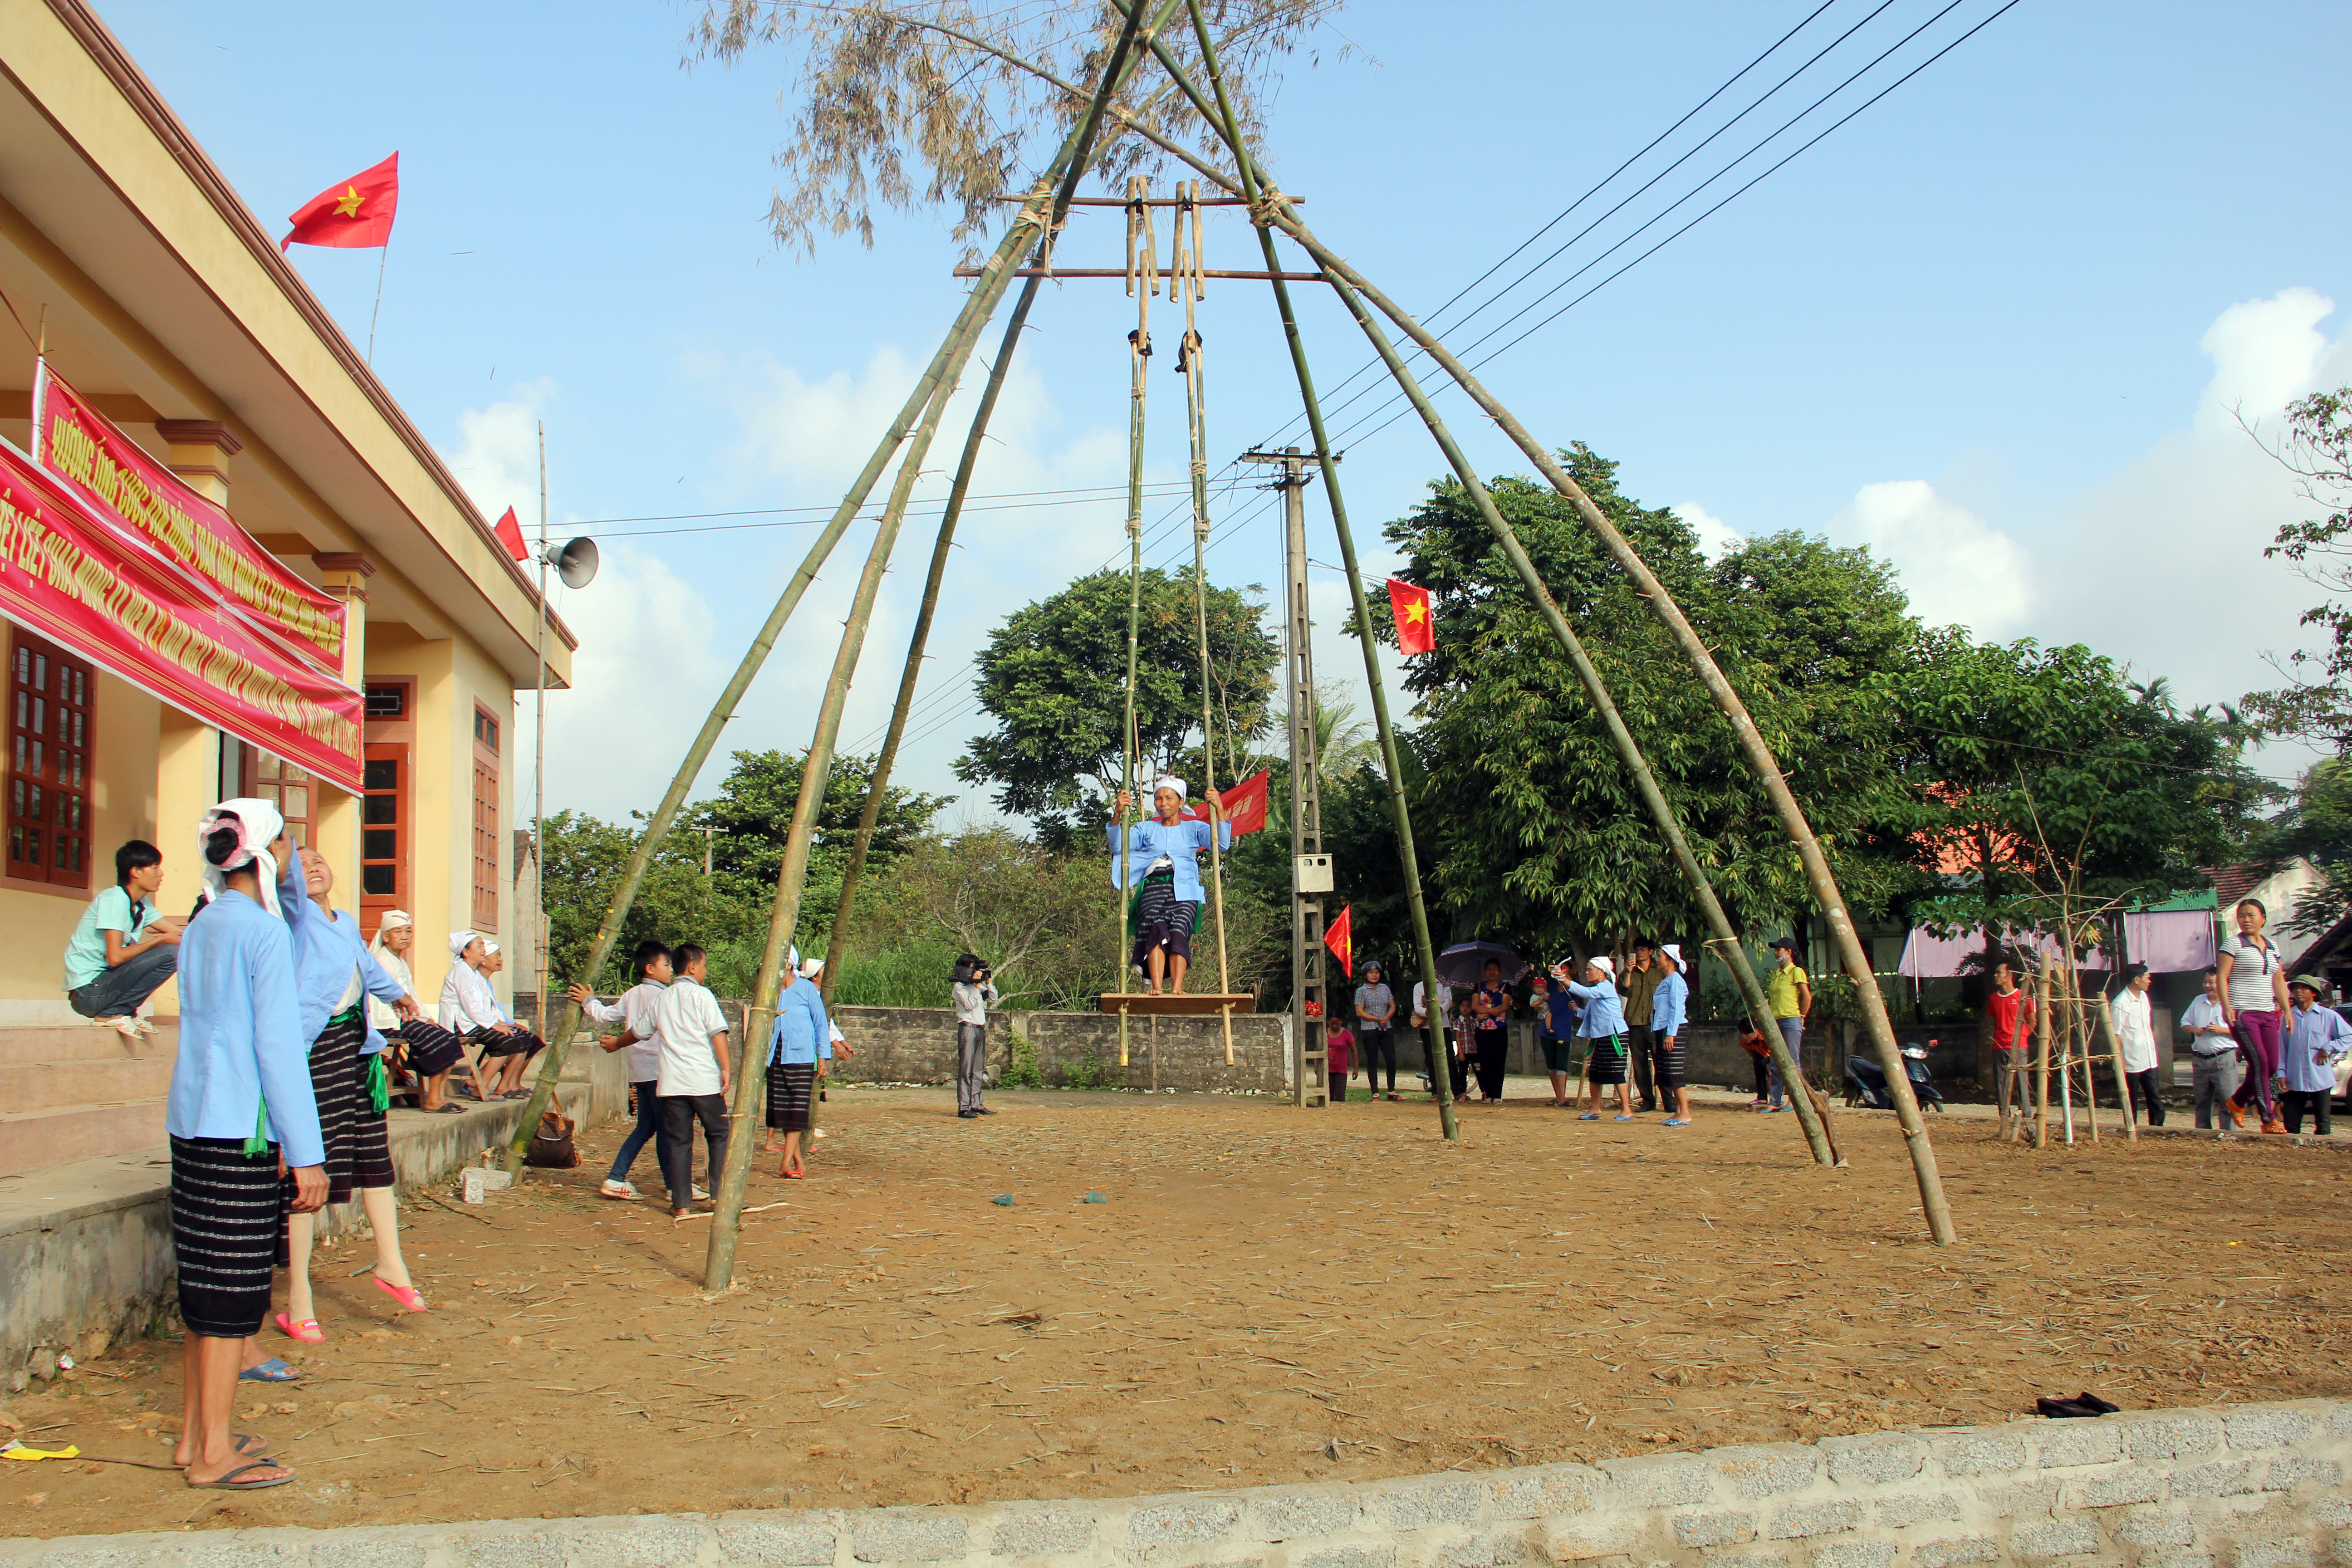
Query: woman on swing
pixel 1163 874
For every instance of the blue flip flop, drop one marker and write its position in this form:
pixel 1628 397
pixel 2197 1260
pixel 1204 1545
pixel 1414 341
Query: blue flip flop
pixel 273 1369
pixel 1589 1116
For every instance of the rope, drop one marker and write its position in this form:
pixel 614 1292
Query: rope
pixel 1142 283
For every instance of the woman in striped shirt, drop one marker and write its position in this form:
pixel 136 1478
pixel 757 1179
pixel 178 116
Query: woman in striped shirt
pixel 2253 1000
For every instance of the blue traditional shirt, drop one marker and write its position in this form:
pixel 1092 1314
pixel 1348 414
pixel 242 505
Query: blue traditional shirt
pixel 327 952
pixel 241 1040
pixel 1604 1012
pixel 803 1032
pixel 2307 1055
pixel 1148 840
pixel 1668 1005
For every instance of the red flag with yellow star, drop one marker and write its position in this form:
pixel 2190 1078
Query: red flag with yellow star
pixel 1416 632
pixel 355 215
pixel 1340 938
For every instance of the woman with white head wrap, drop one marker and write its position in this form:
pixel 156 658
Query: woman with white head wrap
pixel 1156 863
pixel 428 1050
pixel 1669 1022
pixel 240 1101
pixel 1604 1024
pixel 469 1010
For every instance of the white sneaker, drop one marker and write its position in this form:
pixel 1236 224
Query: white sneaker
pixel 699 1194
pixel 621 1190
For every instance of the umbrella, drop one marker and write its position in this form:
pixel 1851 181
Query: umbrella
pixel 1465 963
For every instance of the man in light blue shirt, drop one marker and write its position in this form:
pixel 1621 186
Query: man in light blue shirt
pixel 1669 1005
pixel 2315 1040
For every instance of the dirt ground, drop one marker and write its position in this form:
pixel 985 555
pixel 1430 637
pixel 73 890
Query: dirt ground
pixel 1269 1295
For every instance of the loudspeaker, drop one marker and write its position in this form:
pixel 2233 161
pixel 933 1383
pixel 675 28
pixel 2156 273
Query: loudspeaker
pixel 575 563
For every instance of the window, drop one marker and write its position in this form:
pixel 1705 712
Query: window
pixel 486 858
pixel 387 702
pixel 51 733
pixel 384 832
pixel 287 788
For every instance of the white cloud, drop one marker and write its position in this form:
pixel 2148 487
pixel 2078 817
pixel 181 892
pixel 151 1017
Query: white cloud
pixel 498 457
pixel 1717 537
pixel 1957 567
pixel 2265 353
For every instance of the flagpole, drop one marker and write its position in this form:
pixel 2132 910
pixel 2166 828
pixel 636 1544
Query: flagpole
pixel 384 255
pixel 539 762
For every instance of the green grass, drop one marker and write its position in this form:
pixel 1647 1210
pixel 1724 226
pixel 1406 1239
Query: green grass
pixel 912 976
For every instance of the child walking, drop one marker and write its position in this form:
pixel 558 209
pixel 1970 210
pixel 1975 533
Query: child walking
pixel 635 1012
pixel 1338 1050
pixel 692 1086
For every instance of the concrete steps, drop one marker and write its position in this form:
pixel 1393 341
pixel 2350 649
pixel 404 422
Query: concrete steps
pixel 79 1092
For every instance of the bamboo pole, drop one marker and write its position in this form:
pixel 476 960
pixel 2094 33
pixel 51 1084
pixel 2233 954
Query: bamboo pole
pixel 1196 420
pixel 1809 1114
pixel 920 637
pixel 968 323
pixel 2123 1080
pixel 1070 164
pixel 2042 1055
pixel 1139 351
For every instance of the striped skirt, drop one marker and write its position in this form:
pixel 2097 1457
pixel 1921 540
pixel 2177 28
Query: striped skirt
pixel 1607 1063
pixel 1670 1065
pixel 790 1086
pixel 336 1076
pixel 225 1208
pixel 430 1050
pixel 1161 920
pixel 370 1132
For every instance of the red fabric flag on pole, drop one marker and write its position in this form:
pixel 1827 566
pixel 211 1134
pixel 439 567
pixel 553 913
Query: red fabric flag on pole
pixel 1244 806
pixel 1338 938
pixel 355 215
pixel 510 534
pixel 1416 632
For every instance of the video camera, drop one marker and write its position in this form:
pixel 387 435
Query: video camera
pixel 970 971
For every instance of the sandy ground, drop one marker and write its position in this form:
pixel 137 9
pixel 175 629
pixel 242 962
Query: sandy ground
pixel 1268 1296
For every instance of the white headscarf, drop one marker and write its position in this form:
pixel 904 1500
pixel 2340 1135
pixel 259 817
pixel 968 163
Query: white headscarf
pixel 1672 951
pixel 1170 781
pixel 1601 962
pixel 489 946
pixel 258 825
pixel 811 969
pixel 460 941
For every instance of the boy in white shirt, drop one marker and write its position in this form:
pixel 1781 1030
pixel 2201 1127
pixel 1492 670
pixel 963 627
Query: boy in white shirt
pixel 2136 1041
pixel 635 1012
pixel 692 1084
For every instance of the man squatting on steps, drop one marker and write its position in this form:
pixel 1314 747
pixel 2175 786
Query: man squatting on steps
pixel 635 1012
pixel 973 991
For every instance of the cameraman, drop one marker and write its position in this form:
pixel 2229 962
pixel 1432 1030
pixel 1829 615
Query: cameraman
pixel 974 992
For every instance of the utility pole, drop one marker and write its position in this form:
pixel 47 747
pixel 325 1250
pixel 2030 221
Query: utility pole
pixel 1310 867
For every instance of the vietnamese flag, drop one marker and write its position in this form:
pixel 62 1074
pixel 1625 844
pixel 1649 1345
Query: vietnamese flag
pixel 1244 806
pixel 1414 630
pixel 510 534
pixel 353 215
pixel 1339 939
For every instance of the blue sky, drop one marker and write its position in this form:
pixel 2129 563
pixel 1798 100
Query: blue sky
pixel 1995 326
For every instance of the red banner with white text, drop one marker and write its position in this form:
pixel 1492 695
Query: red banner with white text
pixel 113 473
pixel 83 579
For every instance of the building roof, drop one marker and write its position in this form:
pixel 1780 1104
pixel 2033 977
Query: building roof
pixel 165 297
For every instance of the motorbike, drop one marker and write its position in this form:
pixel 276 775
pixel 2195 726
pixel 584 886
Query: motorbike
pixel 1865 1082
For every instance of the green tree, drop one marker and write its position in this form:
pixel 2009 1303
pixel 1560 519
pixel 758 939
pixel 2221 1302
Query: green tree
pixel 2315 705
pixel 1054 676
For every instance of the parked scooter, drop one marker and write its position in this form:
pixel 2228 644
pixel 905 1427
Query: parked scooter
pixel 1865 1082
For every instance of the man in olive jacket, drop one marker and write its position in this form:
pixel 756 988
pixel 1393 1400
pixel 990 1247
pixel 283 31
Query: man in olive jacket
pixel 1641 977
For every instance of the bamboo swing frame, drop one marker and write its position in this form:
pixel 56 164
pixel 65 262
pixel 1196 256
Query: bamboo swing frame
pixel 1037 221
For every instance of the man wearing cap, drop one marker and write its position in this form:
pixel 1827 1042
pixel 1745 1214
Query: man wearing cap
pixel 1669 1009
pixel 2316 1041
pixel 1791 991
pixel 1156 864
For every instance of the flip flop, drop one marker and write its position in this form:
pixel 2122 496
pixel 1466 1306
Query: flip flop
pixel 404 1294
pixel 1622 1119
pixel 248 1444
pixel 229 1483
pixel 1589 1116
pixel 273 1369
pixel 448 1109
pixel 307 1330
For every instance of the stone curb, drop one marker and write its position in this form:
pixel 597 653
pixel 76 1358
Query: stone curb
pixel 2254 1485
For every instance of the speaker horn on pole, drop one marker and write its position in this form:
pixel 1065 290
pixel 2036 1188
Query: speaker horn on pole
pixel 575 563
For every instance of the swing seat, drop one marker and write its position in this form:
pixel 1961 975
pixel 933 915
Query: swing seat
pixel 1191 1004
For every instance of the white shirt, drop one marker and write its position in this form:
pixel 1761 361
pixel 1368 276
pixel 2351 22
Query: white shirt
pixel 380 1014
pixel 635 1010
pixel 2251 969
pixel 2135 1036
pixel 684 1022
pixel 467 1003
pixel 2206 1013
pixel 1444 999
pixel 972 1002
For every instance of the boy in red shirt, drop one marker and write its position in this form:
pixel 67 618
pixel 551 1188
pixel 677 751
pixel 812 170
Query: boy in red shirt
pixel 1338 1046
pixel 2012 1012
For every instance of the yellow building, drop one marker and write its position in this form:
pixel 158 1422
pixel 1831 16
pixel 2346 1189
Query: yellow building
pixel 169 308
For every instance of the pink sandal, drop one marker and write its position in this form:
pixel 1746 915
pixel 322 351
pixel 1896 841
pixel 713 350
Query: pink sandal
pixel 404 1294
pixel 307 1330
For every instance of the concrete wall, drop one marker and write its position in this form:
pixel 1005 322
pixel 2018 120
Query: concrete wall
pixel 916 1045
pixel 2245 1485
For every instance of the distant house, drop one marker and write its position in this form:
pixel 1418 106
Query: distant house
pixel 2276 890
